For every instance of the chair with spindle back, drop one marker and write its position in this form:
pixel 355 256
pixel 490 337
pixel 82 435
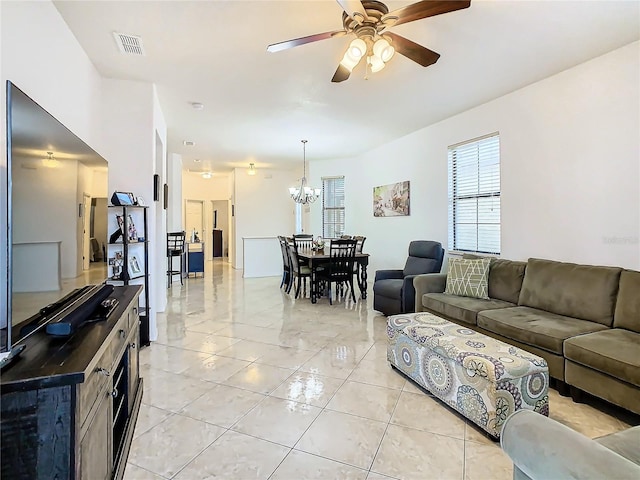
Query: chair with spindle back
pixel 175 248
pixel 299 271
pixel 340 268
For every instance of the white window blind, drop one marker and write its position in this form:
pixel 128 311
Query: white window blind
pixel 332 207
pixel 474 196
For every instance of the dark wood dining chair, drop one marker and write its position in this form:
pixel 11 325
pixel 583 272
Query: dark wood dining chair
pixel 303 241
pixel 359 242
pixel 286 263
pixel 340 268
pixel 298 271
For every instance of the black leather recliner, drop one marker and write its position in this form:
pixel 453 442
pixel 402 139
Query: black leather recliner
pixel 393 290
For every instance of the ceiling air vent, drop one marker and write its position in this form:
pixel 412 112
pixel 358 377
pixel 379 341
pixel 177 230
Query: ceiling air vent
pixel 130 44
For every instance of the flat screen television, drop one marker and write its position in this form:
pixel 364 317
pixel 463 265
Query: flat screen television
pixel 54 195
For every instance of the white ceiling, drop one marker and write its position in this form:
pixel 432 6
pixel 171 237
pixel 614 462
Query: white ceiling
pixel 259 105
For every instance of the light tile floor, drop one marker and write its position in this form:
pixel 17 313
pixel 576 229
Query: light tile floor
pixel 246 382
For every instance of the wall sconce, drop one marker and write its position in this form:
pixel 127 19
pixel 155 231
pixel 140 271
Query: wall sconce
pixel 252 169
pixel 207 175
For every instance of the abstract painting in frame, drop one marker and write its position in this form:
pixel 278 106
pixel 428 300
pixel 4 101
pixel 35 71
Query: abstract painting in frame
pixel 391 200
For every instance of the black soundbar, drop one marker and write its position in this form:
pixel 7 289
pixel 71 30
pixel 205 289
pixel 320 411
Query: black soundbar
pixel 46 313
pixel 79 312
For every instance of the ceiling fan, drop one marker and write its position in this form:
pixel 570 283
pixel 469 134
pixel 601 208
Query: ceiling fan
pixel 368 21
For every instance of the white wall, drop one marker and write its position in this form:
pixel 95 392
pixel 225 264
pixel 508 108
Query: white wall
pixel 157 214
pixel 174 181
pixel 132 121
pixel 263 206
pixel 570 168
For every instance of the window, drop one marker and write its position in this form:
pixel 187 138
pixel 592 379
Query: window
pixel 474 196
pixel 332 207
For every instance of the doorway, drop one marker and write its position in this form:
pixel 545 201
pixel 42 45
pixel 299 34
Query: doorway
pixel 86 230
pixel 194 219
pixel 220 222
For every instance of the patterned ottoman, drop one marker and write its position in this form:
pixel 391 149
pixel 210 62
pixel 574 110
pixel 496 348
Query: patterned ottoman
pixel 482 378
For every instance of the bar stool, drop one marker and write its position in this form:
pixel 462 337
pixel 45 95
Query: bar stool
pixel 175 248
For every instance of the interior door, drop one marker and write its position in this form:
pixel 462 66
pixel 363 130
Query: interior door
pixel 194 219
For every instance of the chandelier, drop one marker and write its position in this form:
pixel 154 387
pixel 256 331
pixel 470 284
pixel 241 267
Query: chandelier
pixel 304 194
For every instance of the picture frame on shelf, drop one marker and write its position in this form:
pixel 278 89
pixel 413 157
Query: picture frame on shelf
pixel 134 266
pixel 132 234
pixel 115 266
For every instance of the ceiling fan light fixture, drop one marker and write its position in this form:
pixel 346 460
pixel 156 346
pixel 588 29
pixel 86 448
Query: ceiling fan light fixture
pixel 375 63
pixel 349 62
pixel 383 49
pixel 357 48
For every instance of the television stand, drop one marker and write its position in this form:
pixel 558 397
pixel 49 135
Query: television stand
pixel 69 407
pixel 11 356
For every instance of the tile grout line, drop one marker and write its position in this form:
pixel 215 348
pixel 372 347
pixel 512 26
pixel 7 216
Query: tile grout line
pixel 384 433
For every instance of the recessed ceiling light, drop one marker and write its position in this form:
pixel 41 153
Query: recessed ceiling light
pixel 189 143
pixel 197 105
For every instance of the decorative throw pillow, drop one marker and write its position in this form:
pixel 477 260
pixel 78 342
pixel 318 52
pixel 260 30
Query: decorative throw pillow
pixel 468 278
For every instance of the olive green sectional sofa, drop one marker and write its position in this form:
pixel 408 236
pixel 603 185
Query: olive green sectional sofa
pixel 583 320
pixel 542 449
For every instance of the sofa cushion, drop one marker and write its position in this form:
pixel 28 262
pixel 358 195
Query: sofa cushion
pixel 581 291
pixel 613 351
pixel 624 443
pixel 464 309
pixel 627 313
pixel 505 279
pixel 535 327
pixel 468 278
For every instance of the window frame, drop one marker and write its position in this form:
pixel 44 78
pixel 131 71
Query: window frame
pixel 454 183
pixel 325 209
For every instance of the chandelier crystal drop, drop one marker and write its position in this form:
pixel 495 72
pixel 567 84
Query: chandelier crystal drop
pixel 304 194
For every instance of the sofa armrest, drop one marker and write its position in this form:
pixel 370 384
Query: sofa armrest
pixel 408 294
pixel 542 448
pixel 388 274
pixel 428 283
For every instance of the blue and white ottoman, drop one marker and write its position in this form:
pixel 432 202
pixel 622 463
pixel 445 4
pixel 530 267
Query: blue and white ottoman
pixel 484 379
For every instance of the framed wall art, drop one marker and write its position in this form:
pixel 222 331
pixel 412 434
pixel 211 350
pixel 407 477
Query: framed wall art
pixel 391 200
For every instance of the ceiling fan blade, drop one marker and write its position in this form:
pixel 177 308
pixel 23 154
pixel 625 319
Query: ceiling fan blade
pixel 341 74
pixel 276 47
pixel 412 50
pixel 424 9
pixel 354 9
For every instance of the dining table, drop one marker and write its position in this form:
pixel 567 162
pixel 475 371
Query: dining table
pixel 316 258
